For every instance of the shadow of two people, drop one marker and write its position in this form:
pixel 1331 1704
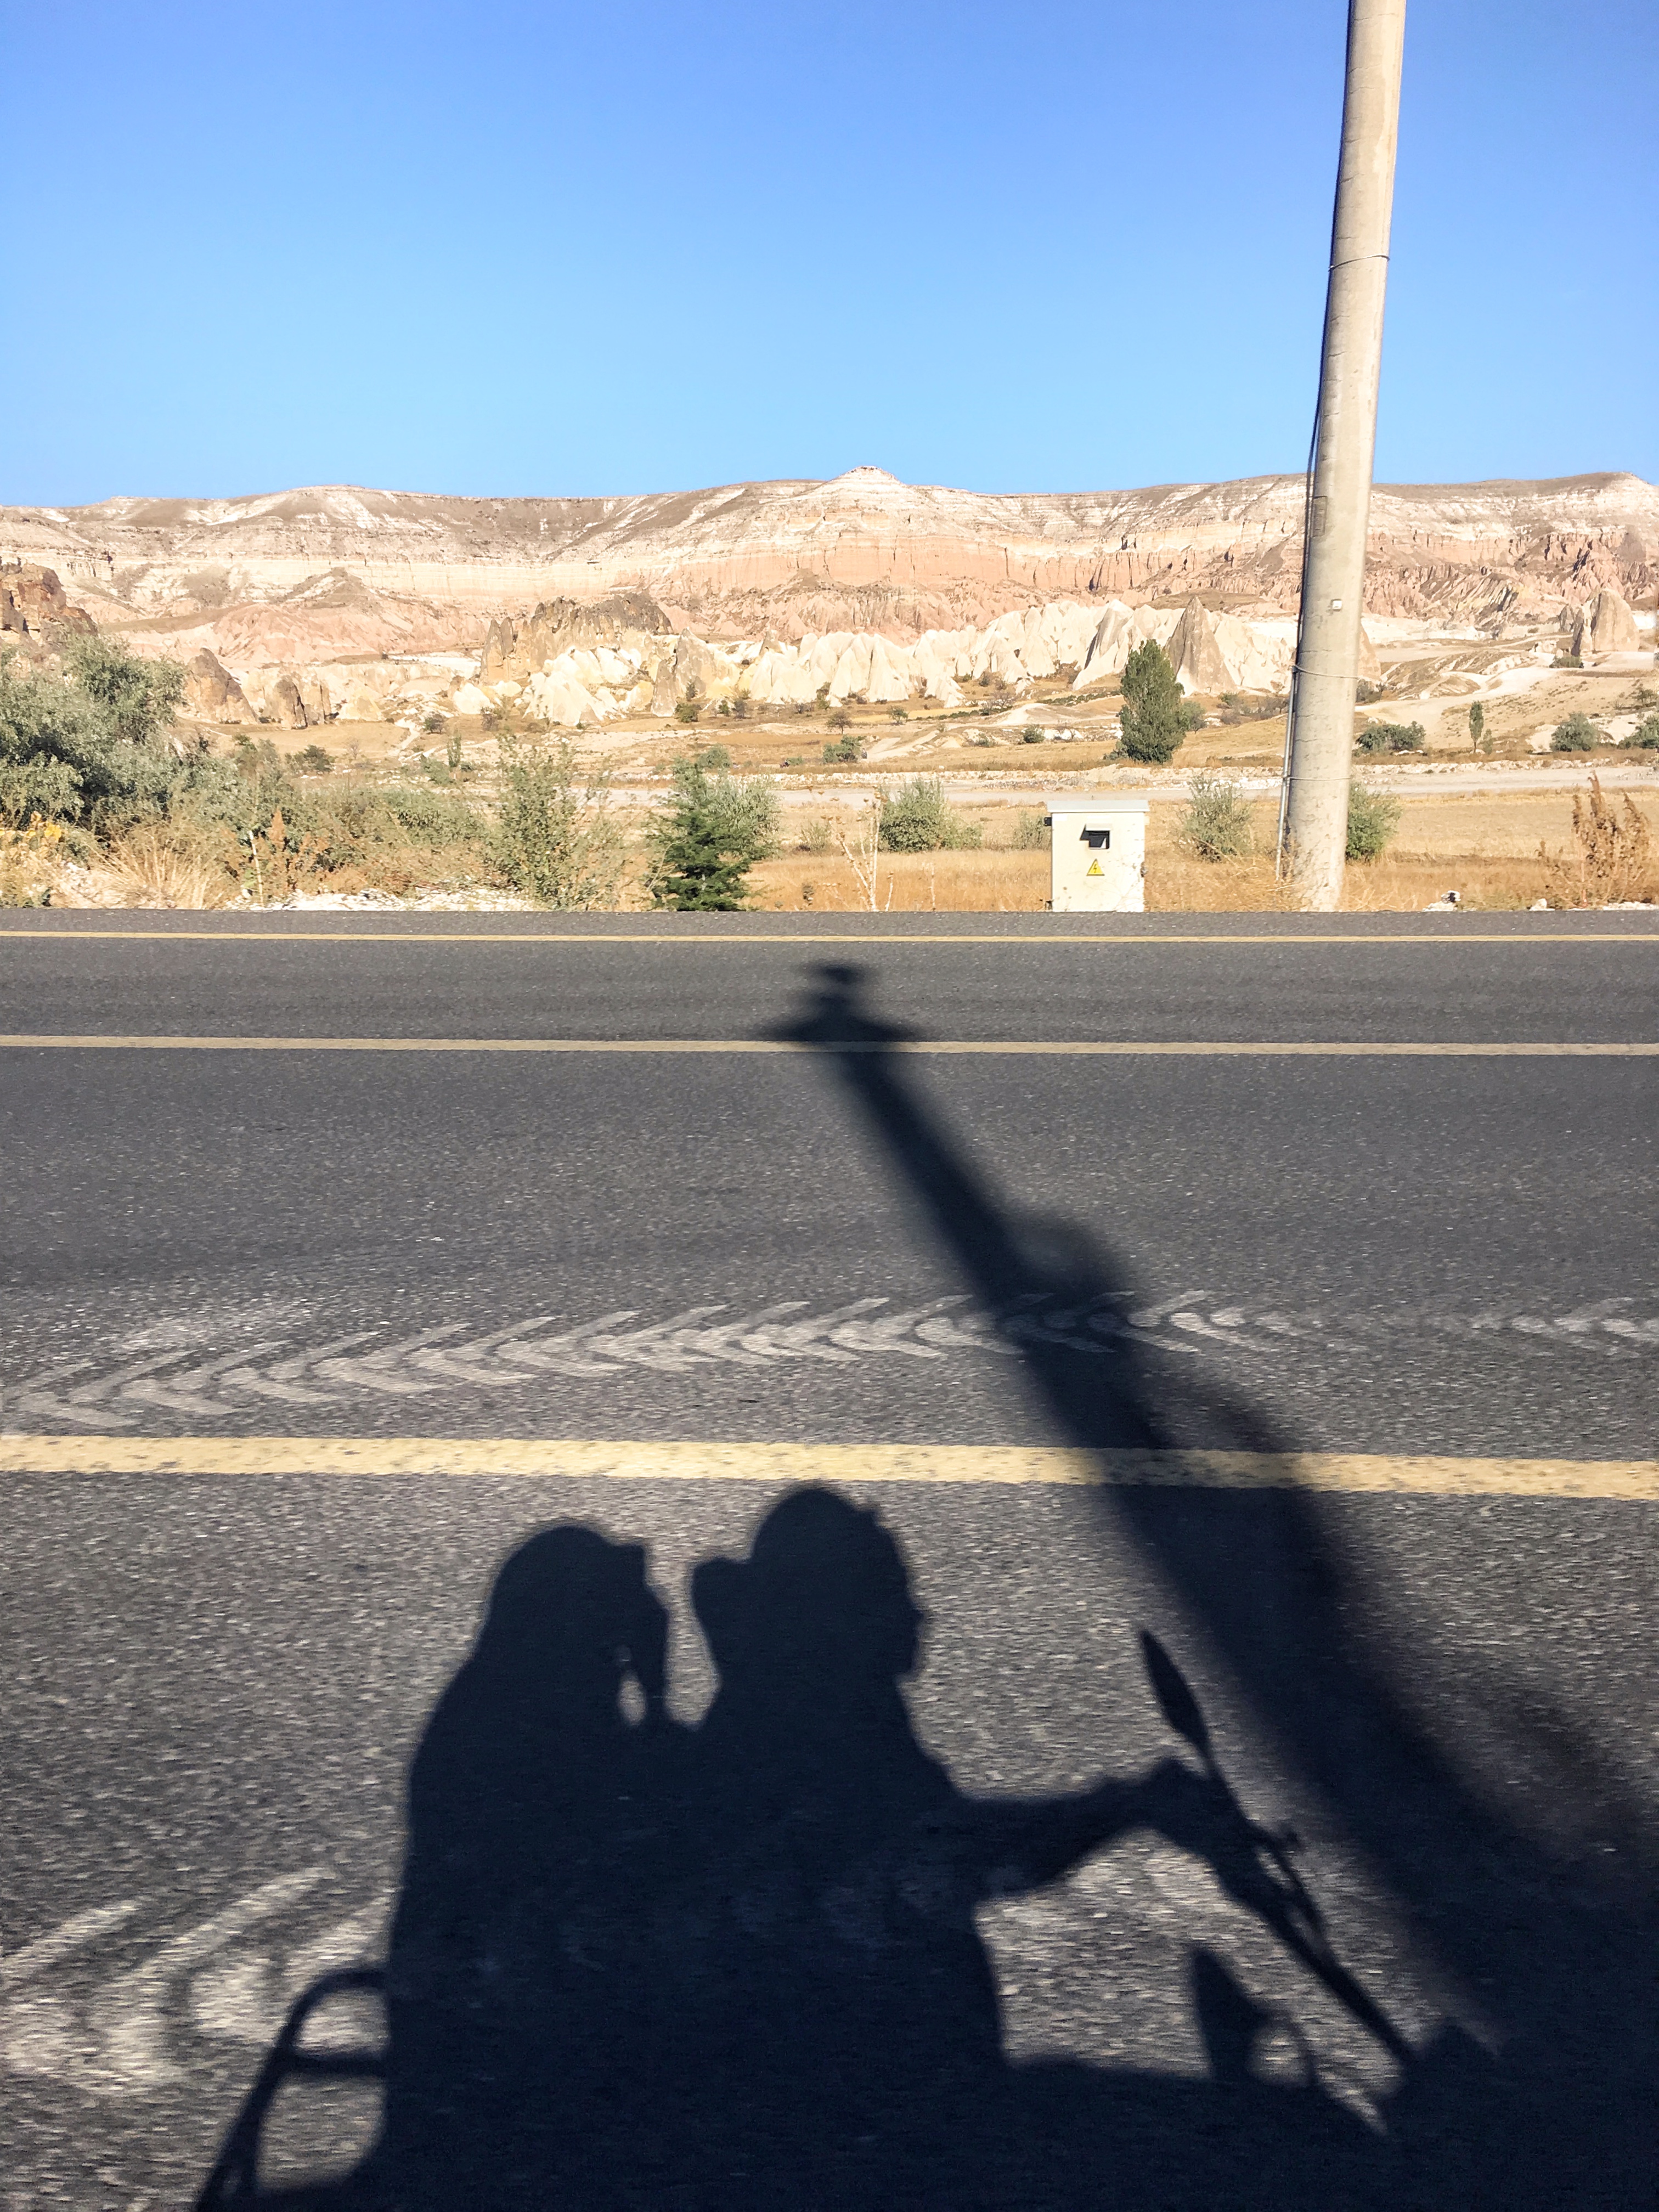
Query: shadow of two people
pixel 634 1963
pixel 638 1964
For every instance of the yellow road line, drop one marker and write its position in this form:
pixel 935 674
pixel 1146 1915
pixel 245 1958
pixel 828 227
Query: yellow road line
pixel 1087 1049
pixel 1385 1474
pixel 259 936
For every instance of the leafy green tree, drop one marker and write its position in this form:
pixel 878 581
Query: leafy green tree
pixel 137 700
pixel 1155 717
pixel 717 827
pixel 1577 734
pixel 918 818
pixel 555 838
pixel 96 741
pixel 1477 728
pixel 1646 734
pixel 1391 738
pixel 1217 825
pixel 1373 818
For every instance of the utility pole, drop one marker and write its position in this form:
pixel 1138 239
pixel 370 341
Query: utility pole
pixel 1319 743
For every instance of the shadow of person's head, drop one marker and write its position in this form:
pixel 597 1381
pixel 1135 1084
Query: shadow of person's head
pixel 822 1605
pixel 572 1618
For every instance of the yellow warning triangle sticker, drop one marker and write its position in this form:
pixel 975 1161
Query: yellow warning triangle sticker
pixel 1094 868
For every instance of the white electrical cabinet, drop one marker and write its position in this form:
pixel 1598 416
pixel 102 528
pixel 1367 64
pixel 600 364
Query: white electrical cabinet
pixel 1097 862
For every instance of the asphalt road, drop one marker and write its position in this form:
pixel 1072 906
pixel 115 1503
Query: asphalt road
pixel 216 1683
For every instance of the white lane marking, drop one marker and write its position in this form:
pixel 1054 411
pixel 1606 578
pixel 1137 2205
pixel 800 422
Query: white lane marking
pixel 432 1362
pixel 245 1997
pixel 115 2044
pixel 131 2014
pixel 45 1952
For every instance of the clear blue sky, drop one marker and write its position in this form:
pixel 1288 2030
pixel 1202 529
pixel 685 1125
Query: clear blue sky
pixel 637 245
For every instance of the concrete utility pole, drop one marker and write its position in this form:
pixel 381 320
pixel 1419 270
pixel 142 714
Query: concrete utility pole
pixel 1319 745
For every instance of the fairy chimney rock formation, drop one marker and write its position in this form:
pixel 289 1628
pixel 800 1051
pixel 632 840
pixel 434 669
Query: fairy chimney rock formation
pixel 1195 655
pixel 1605 624
pixel 213 693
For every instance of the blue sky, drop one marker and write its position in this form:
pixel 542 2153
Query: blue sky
pixel 514 248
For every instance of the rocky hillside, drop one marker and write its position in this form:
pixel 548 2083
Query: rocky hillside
pixel 306 575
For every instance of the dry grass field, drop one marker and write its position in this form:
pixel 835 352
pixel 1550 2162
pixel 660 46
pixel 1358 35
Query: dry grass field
pixel 1486 848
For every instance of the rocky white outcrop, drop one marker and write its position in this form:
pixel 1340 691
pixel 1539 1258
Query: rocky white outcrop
pixel 1605 624
pixel 212 693
pixel 589 684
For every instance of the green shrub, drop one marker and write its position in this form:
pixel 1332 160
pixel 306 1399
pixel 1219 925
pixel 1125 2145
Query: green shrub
pixel 687 711
pixel 96 743
pixel 1577 734
pixel 714 832
pixel 918 818
pixel 135 700
pixel 839 719
pixel 1373 818
pixel 1216 824
pixel 1031 831
pixel 815 836
pixel 1391 738
pixel 1153 719
pixel 314 760
pixel 554 840
pixel 1646 734
pixel 1034 737
pixel 1479 741
pixel 715 758
pixel 844 749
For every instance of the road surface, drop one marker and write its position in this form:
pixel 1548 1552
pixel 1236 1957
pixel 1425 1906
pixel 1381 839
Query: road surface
pixel 1332 1369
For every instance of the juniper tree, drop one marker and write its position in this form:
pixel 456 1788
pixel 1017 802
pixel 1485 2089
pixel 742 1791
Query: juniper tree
pixel 1155 718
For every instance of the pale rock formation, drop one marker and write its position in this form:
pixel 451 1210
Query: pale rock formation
pixel 470 699
pixel 1605 624
pixel 325 573
pixel 32 603
pixel 1120 630
pixel 283 704
pixel 359 703
pixel 557 696
pixel 1195 654
pixel 559 626
pixel 212 693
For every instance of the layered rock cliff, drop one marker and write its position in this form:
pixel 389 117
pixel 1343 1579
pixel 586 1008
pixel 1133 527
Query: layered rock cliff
pixel 302 574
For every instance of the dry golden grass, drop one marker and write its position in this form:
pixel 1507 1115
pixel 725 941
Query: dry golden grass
pixel 906 883
pixel 1611 857
pixel 1485 847
pixel 158 867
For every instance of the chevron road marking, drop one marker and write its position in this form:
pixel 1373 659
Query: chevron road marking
pixel 1091 1049
pixel 87 1393
pixel 1375 1473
